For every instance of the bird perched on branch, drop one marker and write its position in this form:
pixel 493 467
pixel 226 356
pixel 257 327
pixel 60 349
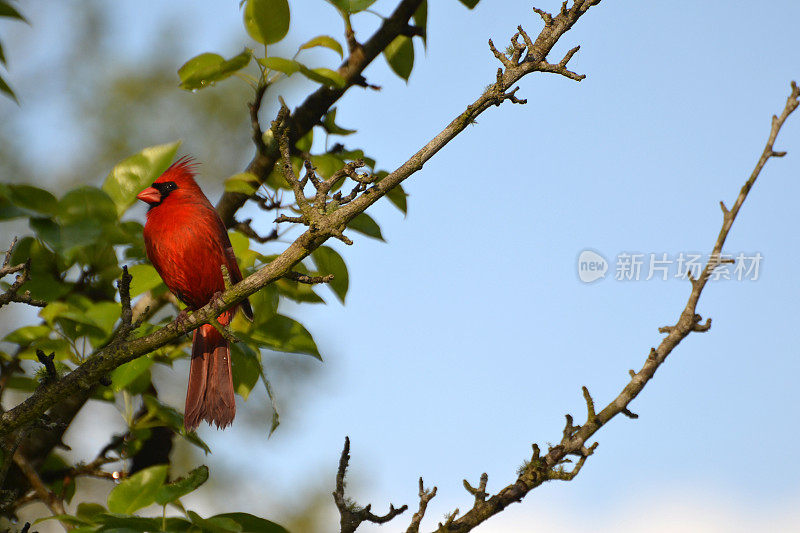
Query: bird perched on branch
pixel 187 243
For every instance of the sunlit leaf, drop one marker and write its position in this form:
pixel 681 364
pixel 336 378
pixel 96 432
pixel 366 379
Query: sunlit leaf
pixel 208 68
pixel 244 183
pixel 124 375
pixel 329 261
pixel 129 177
pixel 27 334
pixel 324 41
pixel 321 75
pixel 326 164
pixel 144 278
pixel 183 486
pixel 304 143
pixel 137 491
pixel 267 21
pixel 281 64
pixel 400 56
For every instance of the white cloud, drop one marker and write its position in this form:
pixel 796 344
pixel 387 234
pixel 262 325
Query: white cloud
pixel 678 510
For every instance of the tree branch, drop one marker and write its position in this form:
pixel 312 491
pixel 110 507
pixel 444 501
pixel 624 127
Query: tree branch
pixel 23 271
pixel 351 514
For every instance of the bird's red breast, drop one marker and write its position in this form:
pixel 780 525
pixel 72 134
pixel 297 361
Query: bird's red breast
pixel 185 239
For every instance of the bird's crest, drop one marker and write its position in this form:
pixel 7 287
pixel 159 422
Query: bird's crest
pixel 181 171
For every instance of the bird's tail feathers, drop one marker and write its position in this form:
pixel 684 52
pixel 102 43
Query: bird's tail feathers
pixel 209 396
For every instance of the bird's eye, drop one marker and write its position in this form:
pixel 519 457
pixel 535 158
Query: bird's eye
pixel 165 187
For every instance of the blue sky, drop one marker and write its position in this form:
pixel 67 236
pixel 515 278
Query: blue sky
pixel 468 335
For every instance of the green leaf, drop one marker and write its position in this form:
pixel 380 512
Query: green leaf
pixel 129 177
pixel 322 75
pixel 398 196
pixel 2 55
pixel 363 223
pixel 276 417
pixel 88 511
pixel 87 204
pixel 71 318
pixel 329 261
pixel 299 292
pixel 265 304
pixel 27 334
pixel 137 491
pixel 246 369
pixel 400 56
pixel 244 183
pixel 267 21
pixel 32 198
pixel 360 5
pixel 325 41
pixel 5 88
pixel 104 314
pixel 325 76
pixel 344 5
pixel 7 10
pixel 281 64
pixel 124 375
pixel 144 278
pixel 218 524
pixel 421 20
pixel 47 230
pixel 304 143
pixel 208 68
pixel 173 419
pixel 329 123
pixel 183 486
pixel 253 524
pixel 64 519
pixel 326 164
pixel 120 523
pixel 284 334
pixel 470 3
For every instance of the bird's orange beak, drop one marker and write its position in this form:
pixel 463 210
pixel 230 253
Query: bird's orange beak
pixel 150 195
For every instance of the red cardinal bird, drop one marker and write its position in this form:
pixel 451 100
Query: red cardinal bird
pixel 187 243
